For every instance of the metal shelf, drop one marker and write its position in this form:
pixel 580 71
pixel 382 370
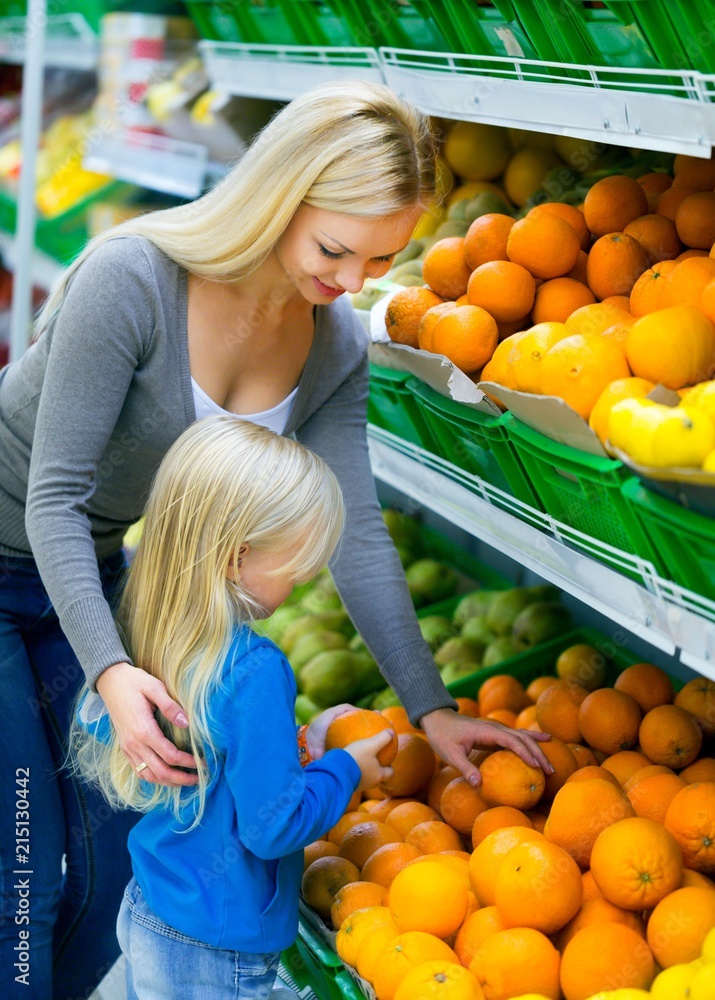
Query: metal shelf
pixel 151 161
pixel 44 270
pixel 671 110
pixel 670 618
pixel 282 72
pixel 70 43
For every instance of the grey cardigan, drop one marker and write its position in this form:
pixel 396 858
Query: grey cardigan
pixel 87 414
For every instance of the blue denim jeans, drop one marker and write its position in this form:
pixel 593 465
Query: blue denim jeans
pixel 57 930
pixel 163 963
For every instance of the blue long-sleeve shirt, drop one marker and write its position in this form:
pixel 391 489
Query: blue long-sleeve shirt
pixel 233 881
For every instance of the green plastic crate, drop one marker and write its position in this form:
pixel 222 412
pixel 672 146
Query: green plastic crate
pixel 474 441
pixel 262 22
pixel 312 963
pixel 684 538
pixel 213 21
pixel 541 660
pixel 491 28
pixel 694 23
pixel 582 491
pixel 392 407
pixel 402 24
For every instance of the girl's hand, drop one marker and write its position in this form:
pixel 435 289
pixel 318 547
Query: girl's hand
pixel 453 737
pixel 364 753
pixel 131 696
pixel 315 734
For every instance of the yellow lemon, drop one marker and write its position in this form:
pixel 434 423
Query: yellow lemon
pixel 470 189
pixel 527 170
pixel 702 397
pixel 527 353
pixel 430 222
pixel 673 983
pixel 702 986
pixel 661 436
pixel 620 388
pixel 709 466
pixel 476 151
pixel 708 952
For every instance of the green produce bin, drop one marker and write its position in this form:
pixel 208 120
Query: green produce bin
pixel 582 491
pixel 312 963
pixel 474 441
pixel 392 407
pixel 213 21
pixel 400 24
pixel 262 22
pixel 694 23
pixel 491 28
pixel 684 538
pixel 541 660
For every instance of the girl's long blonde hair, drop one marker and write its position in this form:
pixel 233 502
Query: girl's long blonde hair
pixel 224 483
pixel 350 147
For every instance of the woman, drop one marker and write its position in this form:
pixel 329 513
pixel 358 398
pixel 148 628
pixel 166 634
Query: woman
pixel 231 304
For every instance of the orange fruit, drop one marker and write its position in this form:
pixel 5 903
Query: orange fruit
pixel 651 796
pixel 687 281
pixel 474 931
pixel 428 322
pixel 397 716
pixel 467 335
pixel 516 326
pixel 695 220
pixel 439 981
pixel 444 268
pixel 581 810
pixel 318 849
pixel 615 263
pixel 355 896
pixel 698 698
pixel 412 767
pixel 679 924
pixel 657 235
pixel 645 772
pixel 694 170
pixel 408 814
pixel 433 836
pixel 564 763
pixel 648 684
pixel 545 245
pixel 538 819
pixel 371 946
pixel 612 203
pixel 507 780
pixel 649 292
pixel 593 771
pixel 506 290
pixel 568 213
pixel 364 839
pixel 654 185
pixel 670 735
pixel 624 763
pixel 707 300
pixel 585 756
pixel 609 720
pixel 578 369
pixel 468 706
pixel 636 862
pixel 529 350
pixel 539 685
pixel 590 889
pixel 579 272
pixel 674 346
pixel 538 885
pixel 384 863
pixel 526 718
pixel 346 822
pixel 511 962
pixel 687 254
pixel 356 926
pixel 693 878
pixel 486 239
pixel 602 956
pixel 558 298
pixel 380 809
pixel 502 715
pixel 618 302
pixel 323 879
pixel 583 664
pixel 404 312
pixel 461 804
pixel 501 691
pixel 406 951
pixel 691 820
pixel 496 818
pixel 358 724
pixel 702 769
pixel 598 910
pixel 620 388
pixel 438 784
pixel 671 200
pixel 488 856
pixel 557 710
pixel 429 897
pixel 619 333
pixel 596 318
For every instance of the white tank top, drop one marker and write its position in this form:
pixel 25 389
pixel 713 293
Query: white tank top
pixel 274 419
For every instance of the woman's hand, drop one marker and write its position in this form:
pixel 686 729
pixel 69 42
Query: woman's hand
pixel 315 734
pixel 131 696
pixel 453 737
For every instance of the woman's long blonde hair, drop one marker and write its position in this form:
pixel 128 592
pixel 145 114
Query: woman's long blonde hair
pixel 350 147
pixel 224 483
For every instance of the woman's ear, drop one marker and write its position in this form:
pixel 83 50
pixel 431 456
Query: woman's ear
pixel 234 562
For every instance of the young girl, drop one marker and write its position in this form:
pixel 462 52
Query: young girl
pixel 237 517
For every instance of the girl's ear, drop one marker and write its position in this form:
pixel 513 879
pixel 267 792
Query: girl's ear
pixel 235 560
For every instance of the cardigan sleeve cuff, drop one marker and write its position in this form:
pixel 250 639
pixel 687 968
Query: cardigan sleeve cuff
pixel 92 632
pixel 415 679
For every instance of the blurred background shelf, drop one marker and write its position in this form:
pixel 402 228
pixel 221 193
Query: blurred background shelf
pixel 151 161
pixel 70 43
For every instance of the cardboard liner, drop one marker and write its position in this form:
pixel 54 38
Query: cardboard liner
pixel 691 488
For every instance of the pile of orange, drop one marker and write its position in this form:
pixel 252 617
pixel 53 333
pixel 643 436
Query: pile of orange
pixel 556 885
pixel 619 276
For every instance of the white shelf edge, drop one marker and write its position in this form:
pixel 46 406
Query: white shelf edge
pixel 45 269
pixel 69 43
pixel 151 161
pixel 644 612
